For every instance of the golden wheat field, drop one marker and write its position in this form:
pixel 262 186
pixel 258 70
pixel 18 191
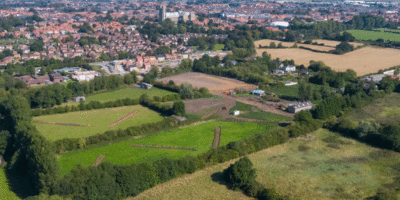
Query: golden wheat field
pixel 331 43
pixel 290 44
pixel 363 61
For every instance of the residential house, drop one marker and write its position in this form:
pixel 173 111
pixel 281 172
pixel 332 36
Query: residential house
pixel 289 68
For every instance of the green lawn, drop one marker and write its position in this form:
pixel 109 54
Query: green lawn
pixel 99 121
pixel 198 136
pixel 371 35
pixel 133 93
pixel 219 47
pixel 252 112
pixel 5 192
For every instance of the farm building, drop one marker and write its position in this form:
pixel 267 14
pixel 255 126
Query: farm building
pixel 294 108
pixel 145 85
pixel 236 112
pixel 258 92
pixel 289 83
pixel 79 98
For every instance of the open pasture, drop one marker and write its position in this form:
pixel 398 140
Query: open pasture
pixel 363 61
pixel 211 82
pixel 373 35
pixel 322 165
pixel 199 136
pixel 94 121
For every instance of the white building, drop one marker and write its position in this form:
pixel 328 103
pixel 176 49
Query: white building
pixel 85 76
pixel 294 108
pixel 289 68
pixel 279 24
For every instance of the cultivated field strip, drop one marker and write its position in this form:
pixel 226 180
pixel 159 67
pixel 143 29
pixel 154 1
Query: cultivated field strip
pixel 163 147
pixel 99 160
pixel 128 116
pixel 61 124
pixel 217 137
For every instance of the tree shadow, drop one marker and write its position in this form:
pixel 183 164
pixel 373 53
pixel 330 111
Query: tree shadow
pixel 19 184
pixel 217 177
pixel 289 98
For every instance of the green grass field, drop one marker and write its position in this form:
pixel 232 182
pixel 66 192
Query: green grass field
pixel 99 121
pixel 5 192
pixel 133 93
pixel 252 112
pixel 219 47
pixel 198 136
pixel 371 35
pixel 304 168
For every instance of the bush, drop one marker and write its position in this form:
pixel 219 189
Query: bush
pixel 240 173
pixel 179 108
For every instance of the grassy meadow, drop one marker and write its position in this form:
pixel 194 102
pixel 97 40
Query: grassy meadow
pixel 252 112
pixel 98 121
pixel 198 136
pixel 322 165
pixel 372 35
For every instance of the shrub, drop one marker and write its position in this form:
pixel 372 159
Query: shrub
pixel 240 173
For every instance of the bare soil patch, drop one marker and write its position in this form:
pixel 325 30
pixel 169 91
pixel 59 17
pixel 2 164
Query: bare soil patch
pixel 128 116
pixel 209 81
pixel 99 160
pixel 363 61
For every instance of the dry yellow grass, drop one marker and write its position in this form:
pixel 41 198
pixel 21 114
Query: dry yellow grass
pixel 363 61
pixel 290 44
pixel 332 43
pixel 354 171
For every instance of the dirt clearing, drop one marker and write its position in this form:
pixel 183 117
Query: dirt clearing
pixel 209 81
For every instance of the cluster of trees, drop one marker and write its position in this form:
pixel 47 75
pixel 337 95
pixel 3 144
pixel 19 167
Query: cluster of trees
pixel 48 96
pixel 326 29
pixel 9 23
pixel 28 67
pixel 325 75
pixel 6 53
pixel 85 28
pixel 36 45
pixel 248 71
pixel 335 105
pixel 87 40
pixel 242 175
pixel 343 48
pixel 308 93
pixel 27 151
pixel 368 22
